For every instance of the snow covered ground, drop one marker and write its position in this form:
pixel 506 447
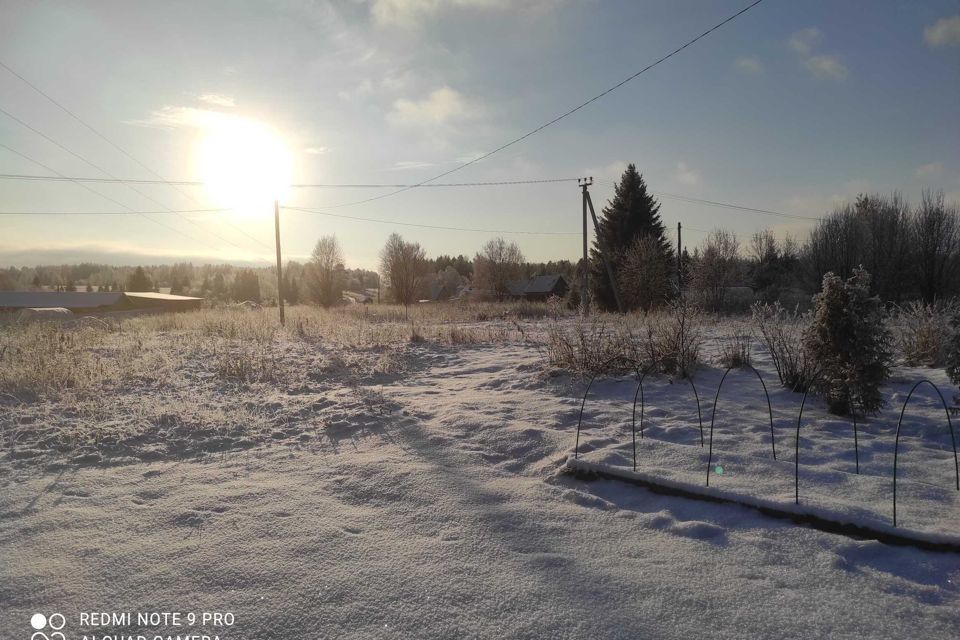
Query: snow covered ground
pixel 429 503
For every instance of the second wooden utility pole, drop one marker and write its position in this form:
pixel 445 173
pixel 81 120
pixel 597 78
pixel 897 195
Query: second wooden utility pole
pixel 679 263
pixel 585 265
pixel 601 243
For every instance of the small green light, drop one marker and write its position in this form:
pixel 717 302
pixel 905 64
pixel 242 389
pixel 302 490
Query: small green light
pixel 719 470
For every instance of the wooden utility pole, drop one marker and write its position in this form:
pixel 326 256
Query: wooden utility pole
pixel 585 269
pixel 604 253
pixel 679 263
pixel 276 221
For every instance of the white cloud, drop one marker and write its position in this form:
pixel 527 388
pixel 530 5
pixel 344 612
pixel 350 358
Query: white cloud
pixel 411 13
pixel 172 117
pixel 748 65
pixel 217 100
pixel 826 66
pixel 945 31
pixel 403 165
pixel 930 171
pixel 805 40
pixel 442 107
pixel 686 175
pixel 316 151
pixel 821 65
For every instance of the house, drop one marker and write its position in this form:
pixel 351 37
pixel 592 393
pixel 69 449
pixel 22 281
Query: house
pixel 85 303
pixel 540 287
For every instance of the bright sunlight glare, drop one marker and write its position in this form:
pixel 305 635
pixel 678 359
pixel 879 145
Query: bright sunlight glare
pixel 244 165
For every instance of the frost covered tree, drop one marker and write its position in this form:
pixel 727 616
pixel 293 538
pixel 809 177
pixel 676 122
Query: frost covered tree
pixel 849 344
pixel 139 281
pixel 631 214
pixel 324 273
pixel 404 269
pixel 936 246
pixel 497 265
pixel 645 275
pixel 717 267
pixel 953 353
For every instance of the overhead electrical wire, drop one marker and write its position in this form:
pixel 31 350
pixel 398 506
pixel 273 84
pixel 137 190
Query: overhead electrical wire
pixel 316 185
pixel 104 171
pixel 95 192
pixel 123 151
pixel 400 188
pixel 431 226
pixel 558 118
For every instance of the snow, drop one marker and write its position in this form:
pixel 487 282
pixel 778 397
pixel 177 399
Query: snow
pixel 431 502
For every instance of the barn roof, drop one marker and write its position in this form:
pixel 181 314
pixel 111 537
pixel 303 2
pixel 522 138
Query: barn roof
pixel 157 296
pixel 67 299
pixel 76 299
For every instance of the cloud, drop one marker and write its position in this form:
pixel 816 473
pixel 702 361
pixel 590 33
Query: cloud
pixel 826 66
pixel 411 13
pixel 821 65
pixel 945 31
pixel 748 65
pixel 316 151
pixel 930 171
pixel 686 175
pixel 216 100
pixel 173 117
pixel 442 107
pixel 403 165
pixel 805 40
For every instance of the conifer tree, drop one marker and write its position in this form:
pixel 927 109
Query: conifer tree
pixel 633 213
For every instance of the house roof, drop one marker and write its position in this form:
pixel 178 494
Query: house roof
pixel 535 285
pixel 543 284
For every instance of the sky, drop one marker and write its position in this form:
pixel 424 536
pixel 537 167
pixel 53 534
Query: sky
pixel 792 107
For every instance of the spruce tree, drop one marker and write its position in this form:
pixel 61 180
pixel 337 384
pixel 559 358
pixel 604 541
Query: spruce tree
pixel 633 213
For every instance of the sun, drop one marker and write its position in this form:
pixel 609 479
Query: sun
pixel 244 165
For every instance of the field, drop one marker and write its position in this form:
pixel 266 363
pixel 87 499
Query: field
pixel 373 472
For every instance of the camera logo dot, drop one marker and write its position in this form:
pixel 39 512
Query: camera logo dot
pixel 56 621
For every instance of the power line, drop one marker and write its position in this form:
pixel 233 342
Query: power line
pixel 560 117
pixel 315 185
pixel 432 226
pixel 94 191
pixel 107 213
pixel 728 205
pixel 123 151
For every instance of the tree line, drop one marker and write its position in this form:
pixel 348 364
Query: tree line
pixel 911 252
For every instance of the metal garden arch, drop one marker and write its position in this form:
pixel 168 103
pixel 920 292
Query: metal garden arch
pixel 713 414
pixel 896 446
pixel 796 457
pixel 633 425
pixel 640 394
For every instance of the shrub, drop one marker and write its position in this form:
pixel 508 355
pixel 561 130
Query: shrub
pixel 735 350
pixel 953 351
pixel 850 343
pixel 674 339
pixel 588 345
pixel 781 331
pixel 923 333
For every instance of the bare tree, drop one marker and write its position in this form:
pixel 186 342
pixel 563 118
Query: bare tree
pixel 404 268
pixel 324 274
pixel 717 267
pixel 936 244
pixel 496 266
pixel 645 274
